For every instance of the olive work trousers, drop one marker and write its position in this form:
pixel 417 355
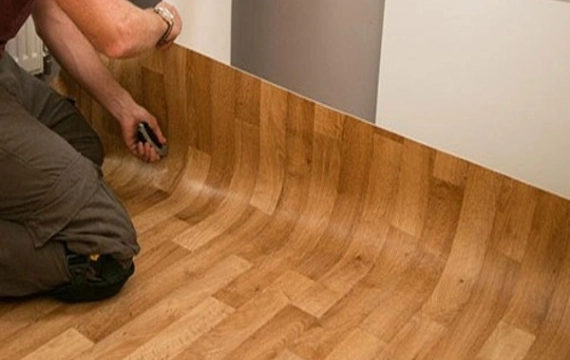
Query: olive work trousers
pixel 53 199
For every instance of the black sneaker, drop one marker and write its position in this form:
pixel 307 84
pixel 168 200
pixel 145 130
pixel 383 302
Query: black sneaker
pixel 92 279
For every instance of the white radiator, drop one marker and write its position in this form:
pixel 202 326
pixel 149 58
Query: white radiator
pixel 27 49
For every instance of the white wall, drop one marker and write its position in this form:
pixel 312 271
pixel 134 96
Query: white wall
pixel 207 27
pixel 487 80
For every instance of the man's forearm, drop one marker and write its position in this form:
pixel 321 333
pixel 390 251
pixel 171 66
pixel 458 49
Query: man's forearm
pixel 118 29
pixel 78 57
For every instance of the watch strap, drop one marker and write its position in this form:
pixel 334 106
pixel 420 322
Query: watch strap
pixel 168 18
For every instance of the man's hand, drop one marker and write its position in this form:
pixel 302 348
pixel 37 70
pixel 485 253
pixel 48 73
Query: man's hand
pixel 129 125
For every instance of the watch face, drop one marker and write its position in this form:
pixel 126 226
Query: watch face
pixel 165 13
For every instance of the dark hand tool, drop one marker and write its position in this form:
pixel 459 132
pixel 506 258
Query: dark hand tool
pixel 145 134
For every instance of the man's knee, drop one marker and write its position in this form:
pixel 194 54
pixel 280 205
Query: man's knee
pixel 102 226
pixel 100 243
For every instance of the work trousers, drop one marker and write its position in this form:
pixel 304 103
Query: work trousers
pixel 53 198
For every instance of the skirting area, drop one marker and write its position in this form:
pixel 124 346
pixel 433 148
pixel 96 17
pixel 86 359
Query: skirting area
pixel 280 229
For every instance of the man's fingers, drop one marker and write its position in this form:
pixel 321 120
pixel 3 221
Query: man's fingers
pixel 150 154
pixel 140 150
pixel 146 152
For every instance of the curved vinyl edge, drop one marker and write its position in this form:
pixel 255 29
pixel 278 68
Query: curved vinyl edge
pixel 284 228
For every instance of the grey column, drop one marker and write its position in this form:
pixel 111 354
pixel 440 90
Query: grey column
pixel 328 50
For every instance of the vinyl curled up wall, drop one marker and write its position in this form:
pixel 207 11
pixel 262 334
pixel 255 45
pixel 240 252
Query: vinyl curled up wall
pixel 278 228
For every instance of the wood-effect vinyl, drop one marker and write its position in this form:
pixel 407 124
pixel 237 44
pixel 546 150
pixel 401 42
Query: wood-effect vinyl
pixel 278 228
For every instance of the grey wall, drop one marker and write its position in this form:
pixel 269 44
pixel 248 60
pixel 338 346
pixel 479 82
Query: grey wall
pixel 328 50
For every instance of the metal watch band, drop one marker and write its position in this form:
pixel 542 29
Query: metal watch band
pixel 168 18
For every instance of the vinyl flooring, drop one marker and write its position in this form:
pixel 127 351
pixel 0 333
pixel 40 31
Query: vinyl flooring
pixel 278 228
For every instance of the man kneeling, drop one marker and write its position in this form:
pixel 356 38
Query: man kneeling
pixel 62 230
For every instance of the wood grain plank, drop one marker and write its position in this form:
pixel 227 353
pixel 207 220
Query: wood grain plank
pixel 469 246
pixel 67 345
pixel 156 319
pixel 483 311
pixel 506 343
pixel 288 355
pixel 183 332
pixel 450 169
pixel 273 120
pixel 272 339
pixel 413 190
pixel 408 296
pixel 544 259
pixel 516 209
pixel 358 345
pixel 245 321
pixel 416 339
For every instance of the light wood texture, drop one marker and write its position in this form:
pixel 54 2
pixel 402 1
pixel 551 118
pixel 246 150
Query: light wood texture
pixel 280 229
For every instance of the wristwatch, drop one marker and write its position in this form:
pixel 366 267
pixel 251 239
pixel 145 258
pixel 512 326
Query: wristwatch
pixel 168 18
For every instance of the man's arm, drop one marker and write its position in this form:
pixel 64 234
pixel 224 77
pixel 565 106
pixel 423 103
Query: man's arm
pixel 119 29
pixel 78 57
